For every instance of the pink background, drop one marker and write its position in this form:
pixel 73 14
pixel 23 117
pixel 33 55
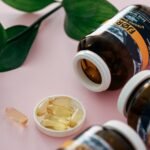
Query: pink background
pixel 47 71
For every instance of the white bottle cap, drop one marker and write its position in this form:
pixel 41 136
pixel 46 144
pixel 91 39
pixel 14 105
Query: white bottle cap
pixel 128 133
pixel 129 88
pixel 101 66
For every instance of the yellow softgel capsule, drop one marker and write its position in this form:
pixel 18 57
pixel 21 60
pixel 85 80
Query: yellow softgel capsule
pixel 16 115
pixel 47 115
pixel 76 117
pixel 42 108
pixel 62 101
pixel 53 125
pixel 59 111
pixel 72 123
pixel 60 119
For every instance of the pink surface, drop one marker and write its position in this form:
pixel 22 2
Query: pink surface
pixel 47 71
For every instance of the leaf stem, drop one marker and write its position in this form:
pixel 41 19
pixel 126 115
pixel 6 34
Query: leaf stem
pixel 36 24
pixel 46 15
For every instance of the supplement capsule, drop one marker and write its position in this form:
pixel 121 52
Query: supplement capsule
pixel 61 101
pixel 117 50
pixel 42 108
pixel 113 135
pixel 59 110
pixel 134 104
pixel 76 117
pixel 16 115
pixel 54 124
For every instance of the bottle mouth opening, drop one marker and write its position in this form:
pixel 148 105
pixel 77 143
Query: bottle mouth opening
pixel 92 71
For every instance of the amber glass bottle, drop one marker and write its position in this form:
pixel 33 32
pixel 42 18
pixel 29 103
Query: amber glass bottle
pixel 113 135
pixel 134 103
pixel 117 50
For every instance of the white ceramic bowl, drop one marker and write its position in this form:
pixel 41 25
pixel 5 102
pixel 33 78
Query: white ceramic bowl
pixel 56 133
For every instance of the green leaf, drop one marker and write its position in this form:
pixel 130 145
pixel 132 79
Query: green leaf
pixel 18 42
pixel 2 36
pixel 84 16
pixel 15 50
pixel 28 5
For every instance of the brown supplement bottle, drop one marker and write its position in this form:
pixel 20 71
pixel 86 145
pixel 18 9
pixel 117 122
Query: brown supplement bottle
pixel 134 104
pixel 113 135
pixel 117 50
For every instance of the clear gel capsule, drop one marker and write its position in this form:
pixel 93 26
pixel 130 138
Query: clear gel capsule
pixel 59 111
pixel 53 124
pixel 16 115
pixel 42 108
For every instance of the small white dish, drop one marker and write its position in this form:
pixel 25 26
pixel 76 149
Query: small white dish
pixel 57 133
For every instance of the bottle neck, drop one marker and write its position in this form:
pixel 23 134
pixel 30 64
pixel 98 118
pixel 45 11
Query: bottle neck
pixel 92 71
pixel 136 103
pixel 130 136
pixel 119 141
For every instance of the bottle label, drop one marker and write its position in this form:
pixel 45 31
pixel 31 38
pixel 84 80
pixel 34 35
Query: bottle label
pixel 88 141
pixel 132 27
pixel 133 31
pixel 143 127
